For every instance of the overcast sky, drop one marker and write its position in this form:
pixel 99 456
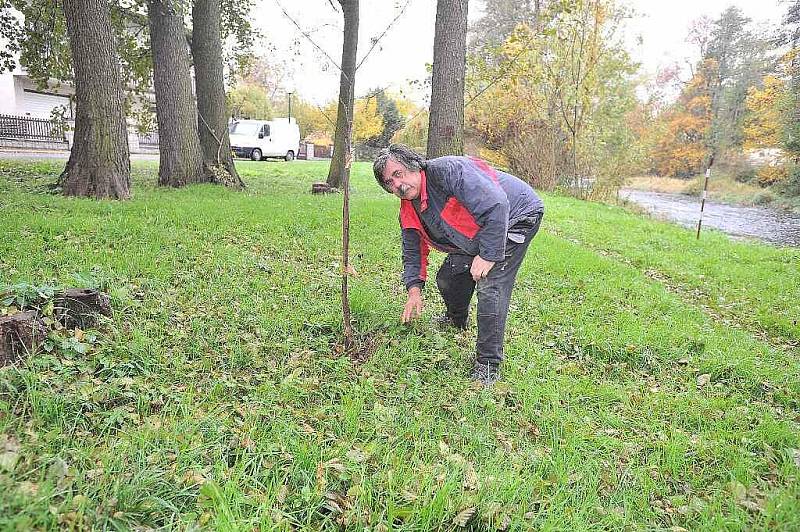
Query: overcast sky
pixel 407 47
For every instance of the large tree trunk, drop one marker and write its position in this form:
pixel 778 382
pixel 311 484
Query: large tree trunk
pixel 99 164
pixel 176 111
pixel 211 106
pixel 347 80
pixel 446 124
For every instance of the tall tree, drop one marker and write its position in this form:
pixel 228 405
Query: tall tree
pixel 392 121
pixel 344 117
pixel 181 160
pixel 763 121
pixel 743 61
pixel 99 163
pixel 500 18
pixel 790 36
pixel 10 35
pixel 682 148
pixel 210 87
pixel 446 127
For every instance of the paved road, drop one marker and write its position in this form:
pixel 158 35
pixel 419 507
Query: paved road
pixel 33 155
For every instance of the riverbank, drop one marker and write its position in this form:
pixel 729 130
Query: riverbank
pixel 721 188
pixel 651 380
pixel 761 223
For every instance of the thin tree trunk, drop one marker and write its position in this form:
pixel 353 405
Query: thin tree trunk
pixel 446 124
pixel 347 80
pixel 211 106
pixel 346 322
pixel 99 162
pixel 181 161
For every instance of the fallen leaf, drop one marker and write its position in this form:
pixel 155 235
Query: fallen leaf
pixel 78 500
pixel 471 482
pixel 444 449
pixel 738 490
pixel 335 502
pixel 28 488
pixel 504 524
pixel 703 379
pixel 8 461
pixel 464 516
pixel 408 496
pixel 193 478
pixel 336 465
pixel 58 470
pixel 283 492
pixel 355 455
pixel 751 505
pixel 505 441
pixel 796 456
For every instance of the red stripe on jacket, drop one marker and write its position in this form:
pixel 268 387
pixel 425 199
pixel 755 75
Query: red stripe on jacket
pixel 459 218
pixel 410 220
pixel 485 168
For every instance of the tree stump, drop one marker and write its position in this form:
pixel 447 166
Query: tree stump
pixel 20 335
pixel 79 307
pixel 322 188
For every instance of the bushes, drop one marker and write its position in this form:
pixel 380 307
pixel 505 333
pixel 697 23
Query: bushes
pixel 745 174
pixel 765 197
pixel 771 175
pixel 790 186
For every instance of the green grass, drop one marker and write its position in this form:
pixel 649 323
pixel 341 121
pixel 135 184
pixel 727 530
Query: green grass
pixel 214 398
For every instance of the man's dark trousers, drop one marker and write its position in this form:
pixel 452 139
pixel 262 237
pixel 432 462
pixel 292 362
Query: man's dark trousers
pixel 494 292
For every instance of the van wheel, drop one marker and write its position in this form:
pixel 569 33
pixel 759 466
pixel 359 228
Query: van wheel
pixel 289 156
pixel 255 155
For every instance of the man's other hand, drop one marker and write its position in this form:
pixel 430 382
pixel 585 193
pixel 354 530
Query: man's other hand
pixel 413 305
pixel 480 268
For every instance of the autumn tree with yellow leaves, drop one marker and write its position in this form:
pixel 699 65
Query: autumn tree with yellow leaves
pixel 683 146
pixel 763 125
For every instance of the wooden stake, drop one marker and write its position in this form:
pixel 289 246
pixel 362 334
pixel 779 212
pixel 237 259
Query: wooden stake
pixel 705 194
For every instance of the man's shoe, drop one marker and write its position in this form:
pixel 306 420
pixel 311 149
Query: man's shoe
pixel 486 374
pixel 444 321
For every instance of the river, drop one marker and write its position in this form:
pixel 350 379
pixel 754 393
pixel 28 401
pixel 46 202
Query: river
pixel 776 227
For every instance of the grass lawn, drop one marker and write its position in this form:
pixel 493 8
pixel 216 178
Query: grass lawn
pixel 652 381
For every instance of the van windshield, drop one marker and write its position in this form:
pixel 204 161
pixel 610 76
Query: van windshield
pixel 249 129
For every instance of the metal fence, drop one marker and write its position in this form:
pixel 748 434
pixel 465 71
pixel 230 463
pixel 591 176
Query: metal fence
pixel 27 128
pixel 148 140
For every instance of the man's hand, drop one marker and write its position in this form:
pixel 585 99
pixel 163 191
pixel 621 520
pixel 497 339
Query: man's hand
pixel 480 268
pixel 413 305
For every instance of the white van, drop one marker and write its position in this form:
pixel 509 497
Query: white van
pixel 259 139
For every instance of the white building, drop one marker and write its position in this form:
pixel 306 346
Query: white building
pixel 19 96
pixel 22 102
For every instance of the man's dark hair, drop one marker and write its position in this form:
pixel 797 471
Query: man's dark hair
pixel 402 154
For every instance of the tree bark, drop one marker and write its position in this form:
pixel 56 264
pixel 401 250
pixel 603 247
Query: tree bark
pixel 99 163
pixel 446 123
pixel 181 161
pixel 20 335
pixel 347 80
pixel 80 307
pixel 211 106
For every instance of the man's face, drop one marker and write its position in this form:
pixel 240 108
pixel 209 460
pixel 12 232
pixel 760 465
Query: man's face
pixel 400 181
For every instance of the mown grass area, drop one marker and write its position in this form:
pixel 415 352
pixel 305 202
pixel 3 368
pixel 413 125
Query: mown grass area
pixel 652 382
